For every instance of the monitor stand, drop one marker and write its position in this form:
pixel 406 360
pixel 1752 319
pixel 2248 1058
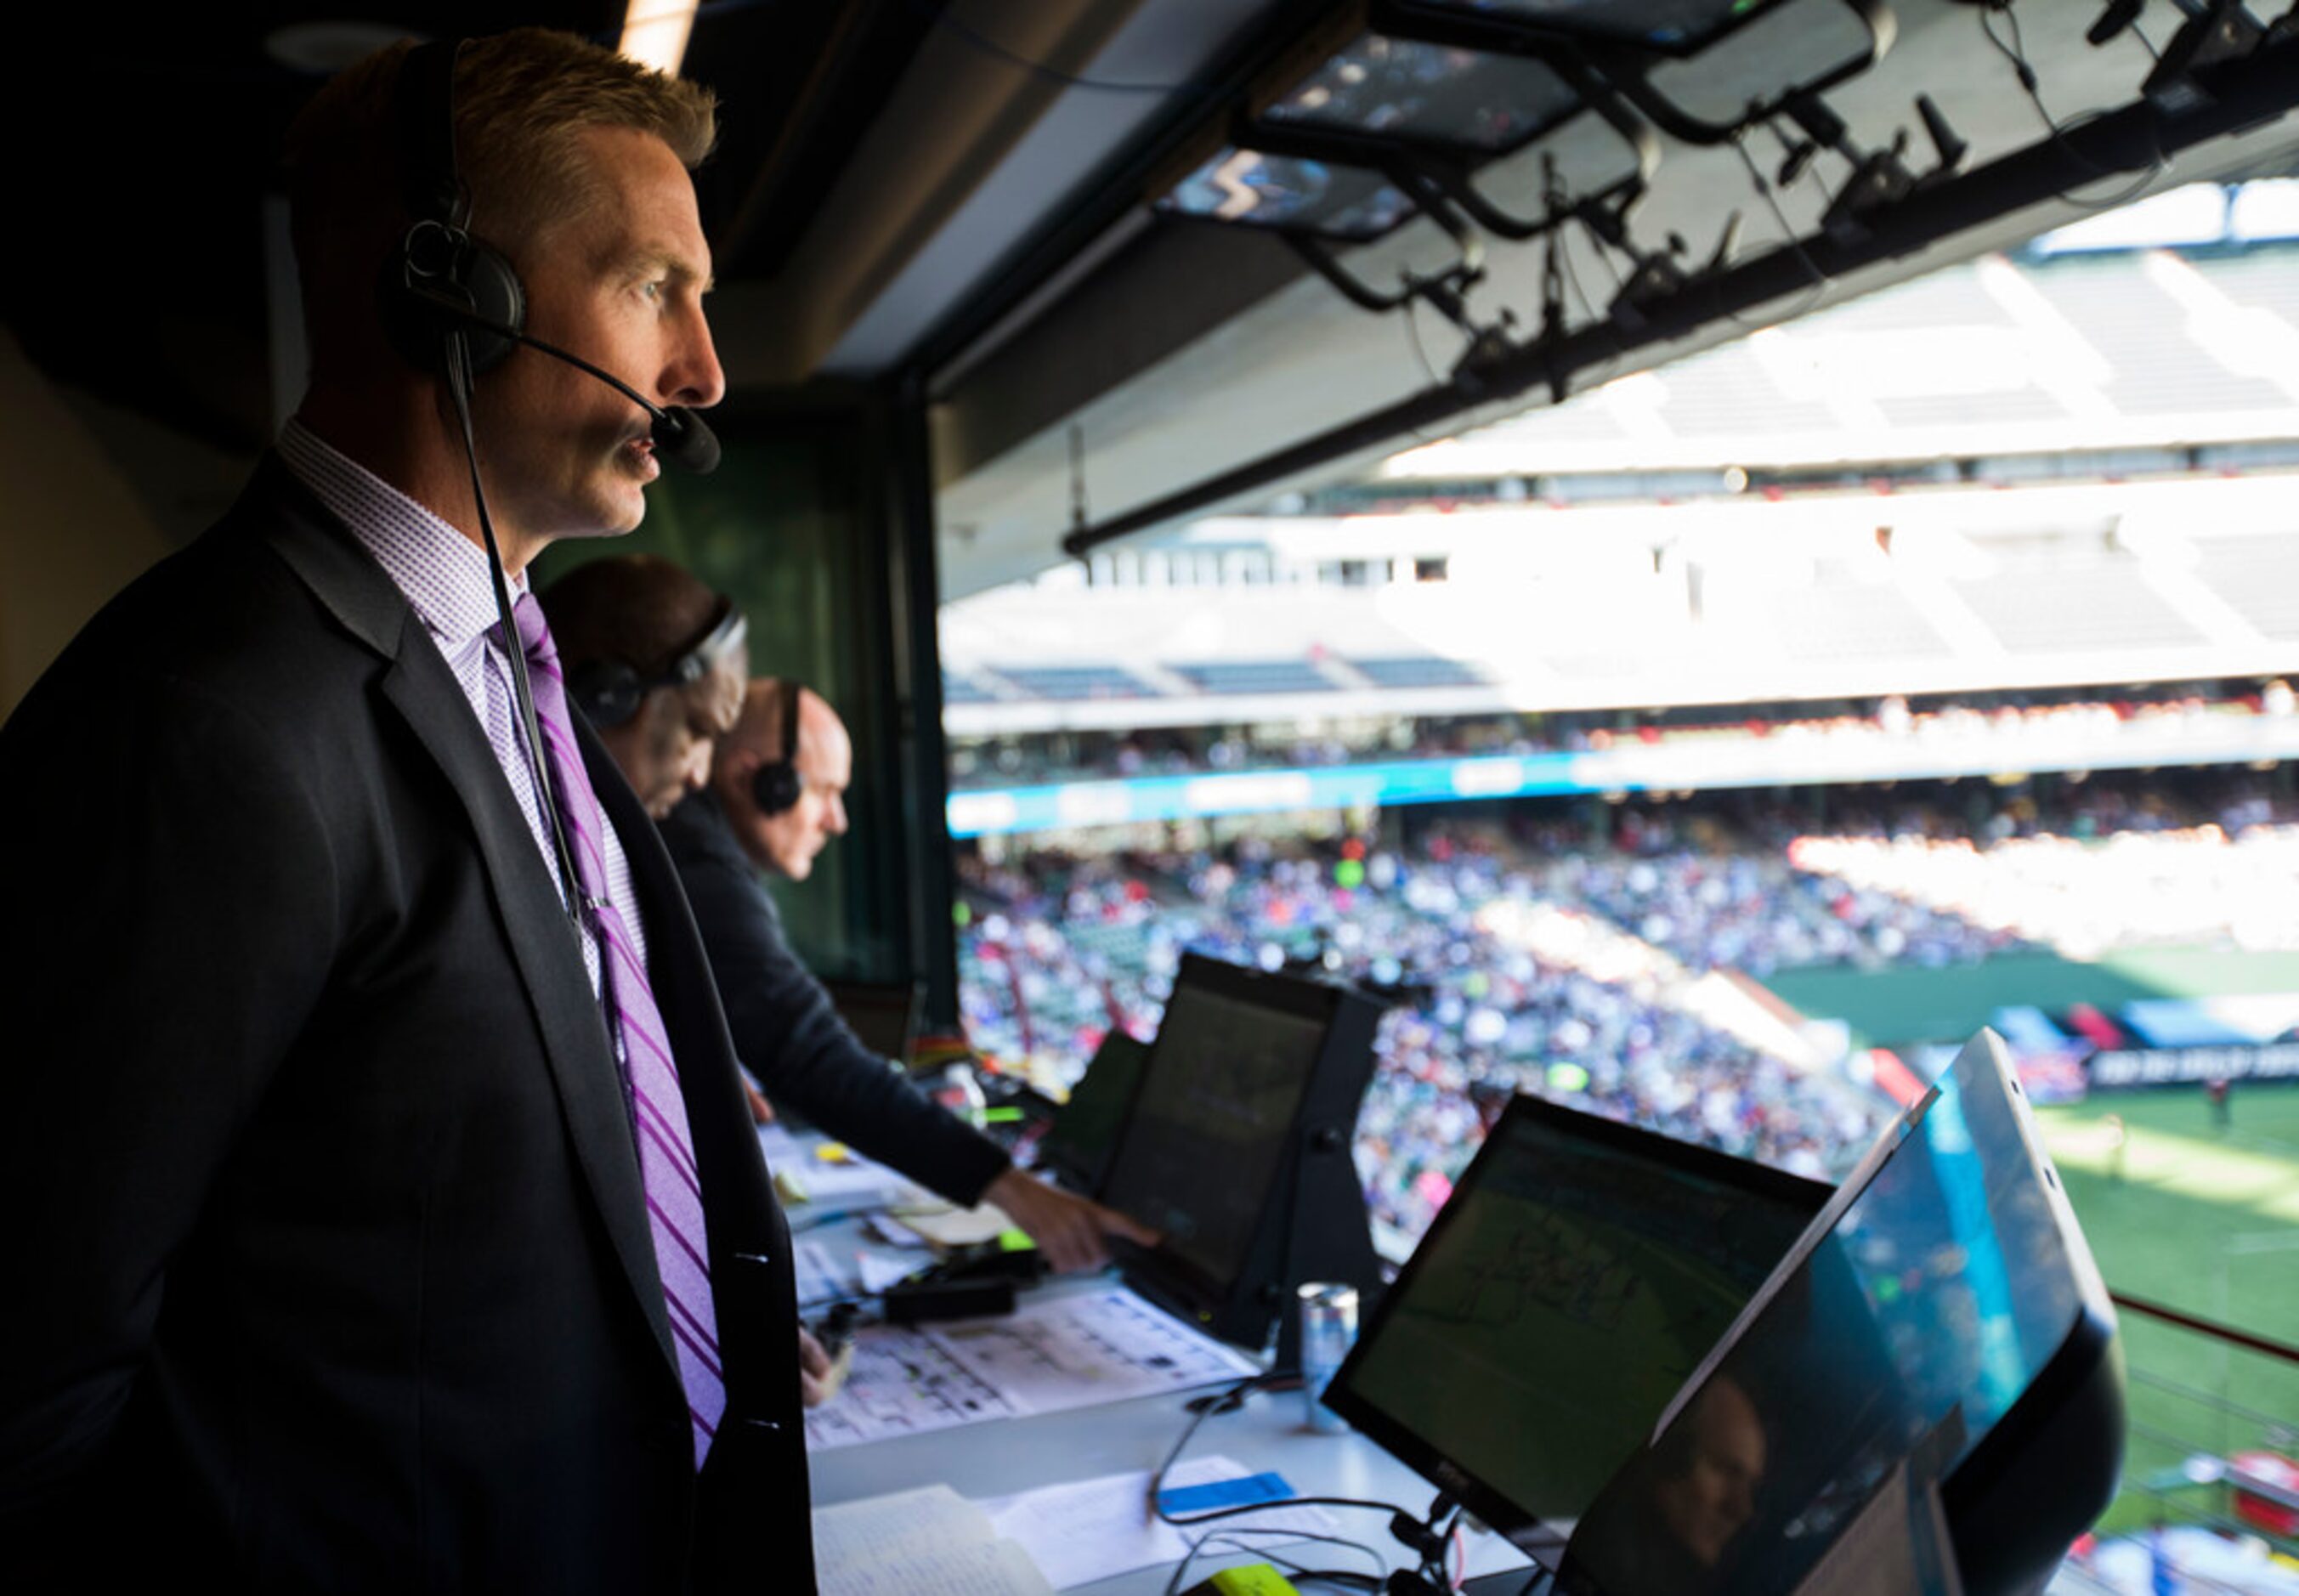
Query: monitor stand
pixel 1315 1229
pixel 1535 1581
pixel 1328 1237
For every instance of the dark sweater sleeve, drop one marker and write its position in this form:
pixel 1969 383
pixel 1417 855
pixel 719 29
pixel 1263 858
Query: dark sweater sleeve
pixel 789 1035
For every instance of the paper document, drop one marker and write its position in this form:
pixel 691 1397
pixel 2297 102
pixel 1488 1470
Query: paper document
pixel 819 1277
pixel 900 1384
pixel 985 1568
pixel 1058 1352
pixel 926 1543
pixel 1091 1530
pixel 782 1149
pixel 876 1273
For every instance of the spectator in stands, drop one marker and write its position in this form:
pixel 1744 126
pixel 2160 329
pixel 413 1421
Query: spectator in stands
pixel 775 799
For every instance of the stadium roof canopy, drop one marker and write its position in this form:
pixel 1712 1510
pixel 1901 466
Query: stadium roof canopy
pixel 948 195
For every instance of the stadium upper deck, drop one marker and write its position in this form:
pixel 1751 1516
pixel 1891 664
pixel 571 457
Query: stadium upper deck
pixel 2045 471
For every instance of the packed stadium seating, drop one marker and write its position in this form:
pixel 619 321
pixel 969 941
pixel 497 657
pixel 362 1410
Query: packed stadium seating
pixel 1619 1014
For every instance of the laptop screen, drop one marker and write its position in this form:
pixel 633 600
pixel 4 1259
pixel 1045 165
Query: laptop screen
pixel 1581 1271
pixel 1898 1336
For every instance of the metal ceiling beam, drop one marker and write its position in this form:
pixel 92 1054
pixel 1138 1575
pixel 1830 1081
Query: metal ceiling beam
pixel 2139 137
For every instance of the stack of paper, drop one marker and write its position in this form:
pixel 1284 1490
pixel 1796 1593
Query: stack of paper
pixel 926 1543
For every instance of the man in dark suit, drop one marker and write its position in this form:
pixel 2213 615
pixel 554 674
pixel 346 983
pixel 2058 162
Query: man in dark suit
pixel 788 1032
pixel 335 1157
pixel 656 663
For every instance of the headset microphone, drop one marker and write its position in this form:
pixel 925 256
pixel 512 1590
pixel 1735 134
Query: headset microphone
pixel 679 433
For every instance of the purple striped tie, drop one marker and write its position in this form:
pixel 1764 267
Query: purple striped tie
pixel 673 1189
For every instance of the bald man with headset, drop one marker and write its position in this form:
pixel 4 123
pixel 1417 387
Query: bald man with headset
pixel 776 798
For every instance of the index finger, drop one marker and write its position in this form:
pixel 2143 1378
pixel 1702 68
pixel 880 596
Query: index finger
pixel 1114 1223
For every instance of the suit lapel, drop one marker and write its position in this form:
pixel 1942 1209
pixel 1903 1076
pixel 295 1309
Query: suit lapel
pixel 544 946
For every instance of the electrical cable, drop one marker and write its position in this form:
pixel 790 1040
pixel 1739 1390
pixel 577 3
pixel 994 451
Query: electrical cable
pixel 1230 1401
pixel 1572 279
pixel 1238 1540
pixel 1413 333
pixel 459 376
pixel 1789 235
pixel 2016 52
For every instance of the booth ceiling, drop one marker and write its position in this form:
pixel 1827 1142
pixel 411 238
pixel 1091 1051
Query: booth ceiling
pixel 954 196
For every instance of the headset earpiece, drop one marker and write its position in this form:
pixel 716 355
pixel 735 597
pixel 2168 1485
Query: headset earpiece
pixel 609 692
pixel 775 787
pixel 606 691
pixel 440 276
pixel 436 284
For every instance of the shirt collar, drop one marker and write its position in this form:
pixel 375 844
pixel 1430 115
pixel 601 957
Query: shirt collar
pixel 443 573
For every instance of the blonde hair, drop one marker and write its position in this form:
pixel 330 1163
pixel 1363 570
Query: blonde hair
pixel 522 103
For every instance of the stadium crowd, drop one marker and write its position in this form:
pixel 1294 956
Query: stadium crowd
pixel 1056 947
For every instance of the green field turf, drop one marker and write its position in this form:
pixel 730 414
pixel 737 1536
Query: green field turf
pixel 2204 1220
pixel 1889 1007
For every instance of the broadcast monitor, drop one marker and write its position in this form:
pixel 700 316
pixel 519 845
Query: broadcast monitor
pixel 1940 1325
pixel 1237 1149
pixel 1579 1273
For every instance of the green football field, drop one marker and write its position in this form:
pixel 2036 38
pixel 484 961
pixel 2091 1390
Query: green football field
pixel 1889 1007
pixel 2191 1215
pixel 2204 1219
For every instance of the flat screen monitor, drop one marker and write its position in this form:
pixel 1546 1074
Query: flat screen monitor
pixel 1078 1145
pixel 1471 101
pixel 1578 1275
pixel 1252 1086
pixel 882 1015
pixel 1941 1324
pixel 1674 27
pixel 1322 199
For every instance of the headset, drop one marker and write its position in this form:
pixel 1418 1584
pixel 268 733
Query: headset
pixel 442 283
pixel 609 692
pixel 777 786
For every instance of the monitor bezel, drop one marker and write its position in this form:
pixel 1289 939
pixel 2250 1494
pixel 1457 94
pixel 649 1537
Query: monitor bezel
pixel 1393 1434
pixel 1344 143
pixel 1592 36
pixel 1167 1271
pixel 1125 1051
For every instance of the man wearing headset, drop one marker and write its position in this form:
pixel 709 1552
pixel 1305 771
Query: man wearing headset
pixel 776 798
pixel 384 1211
pixel 656 663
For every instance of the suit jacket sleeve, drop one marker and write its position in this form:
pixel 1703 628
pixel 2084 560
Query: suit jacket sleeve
pixel 171 907
pixel 789 1035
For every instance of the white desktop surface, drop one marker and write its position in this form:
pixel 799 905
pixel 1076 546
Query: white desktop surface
pixel 1000 1457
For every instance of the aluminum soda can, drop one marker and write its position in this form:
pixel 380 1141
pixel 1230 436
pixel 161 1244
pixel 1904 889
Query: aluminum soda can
pixel 1329 1329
